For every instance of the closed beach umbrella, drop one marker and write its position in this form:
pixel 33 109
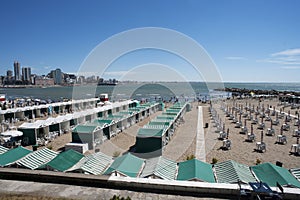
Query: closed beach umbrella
pixel 227 133
pixel 262 137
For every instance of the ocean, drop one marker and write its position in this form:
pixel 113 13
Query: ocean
pixel 150 91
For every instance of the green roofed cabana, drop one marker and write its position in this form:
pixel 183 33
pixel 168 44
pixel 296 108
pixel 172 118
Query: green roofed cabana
pixel 195 170
pixel 233 172
pixel 271 174
pixel 95 164
pixel 159 167
pixel 37 158
pixel 3 149
pixel 64 161
pixel 90 134
pixel 13 155
pixel 126 165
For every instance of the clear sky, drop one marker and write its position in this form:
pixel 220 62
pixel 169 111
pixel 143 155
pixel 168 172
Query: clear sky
pixel 253 40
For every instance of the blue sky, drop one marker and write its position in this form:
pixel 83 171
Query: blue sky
pixel 250 41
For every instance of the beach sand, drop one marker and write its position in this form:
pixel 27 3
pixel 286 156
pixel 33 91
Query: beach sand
pixel 242 151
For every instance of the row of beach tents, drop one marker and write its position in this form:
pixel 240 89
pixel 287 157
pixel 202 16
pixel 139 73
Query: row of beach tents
pixel 129 165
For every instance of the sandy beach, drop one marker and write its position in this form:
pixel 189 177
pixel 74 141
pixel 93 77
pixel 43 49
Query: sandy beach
pixel 244 152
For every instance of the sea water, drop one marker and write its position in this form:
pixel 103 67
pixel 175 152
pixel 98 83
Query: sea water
pixel 150 91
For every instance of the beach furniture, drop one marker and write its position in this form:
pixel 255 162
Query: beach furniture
pixel 254 121
pixel 251 136
pixel 281 139
pixel 268 118
pixel 296 133
pixel 226 144
pixel 244 128
pixel 261 146
pixel 285 127
pixel 261 125
pixel 270 131
pixel 295 149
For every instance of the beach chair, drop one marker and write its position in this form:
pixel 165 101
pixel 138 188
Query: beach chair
pixel 222 135
pixel 295 149
pixel 244 130
pixel 261 125
pixel 238 124
pixel 261 146
pixel 281 139
pixel 250 137
pixel 254 121
pixel 286 127
pixel 296 133
pixel 226 144
pixel 270 132
pixel 275 122
pixel 268 118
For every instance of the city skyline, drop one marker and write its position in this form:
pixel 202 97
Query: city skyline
pixel 242 38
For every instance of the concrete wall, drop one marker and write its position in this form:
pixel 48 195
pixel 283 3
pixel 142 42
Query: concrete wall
pixel 183 188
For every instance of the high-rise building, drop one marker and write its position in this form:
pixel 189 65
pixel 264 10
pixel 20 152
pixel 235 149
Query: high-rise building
pixel 17 71
pixel 9 74
pixel 58 76
pixel 26 73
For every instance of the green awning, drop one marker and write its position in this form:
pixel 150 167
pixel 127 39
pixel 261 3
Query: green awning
pixel 195 170
pixel 102 122
pixel 231 172
pixel 13 155
pixel 84 129
pixel 271 174
pixel 128 165
pixel 147 132
pixel 65 160
pixel 159 123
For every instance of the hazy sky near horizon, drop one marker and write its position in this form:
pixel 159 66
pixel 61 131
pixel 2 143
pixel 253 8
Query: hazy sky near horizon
pixel 249 41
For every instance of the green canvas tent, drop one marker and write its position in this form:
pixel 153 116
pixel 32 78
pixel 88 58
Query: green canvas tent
pixel 127 165
pixel 159 167
pixel 95 164
pixel 37 158
pixel 149 141
pixel 195 170
pixel 13 155
pixel 64 160
pixel 231 172
pixel 271 174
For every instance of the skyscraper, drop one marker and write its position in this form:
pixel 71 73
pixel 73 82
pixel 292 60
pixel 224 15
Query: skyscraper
pixel 57 76
pixel 17 71
pixel 26 74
